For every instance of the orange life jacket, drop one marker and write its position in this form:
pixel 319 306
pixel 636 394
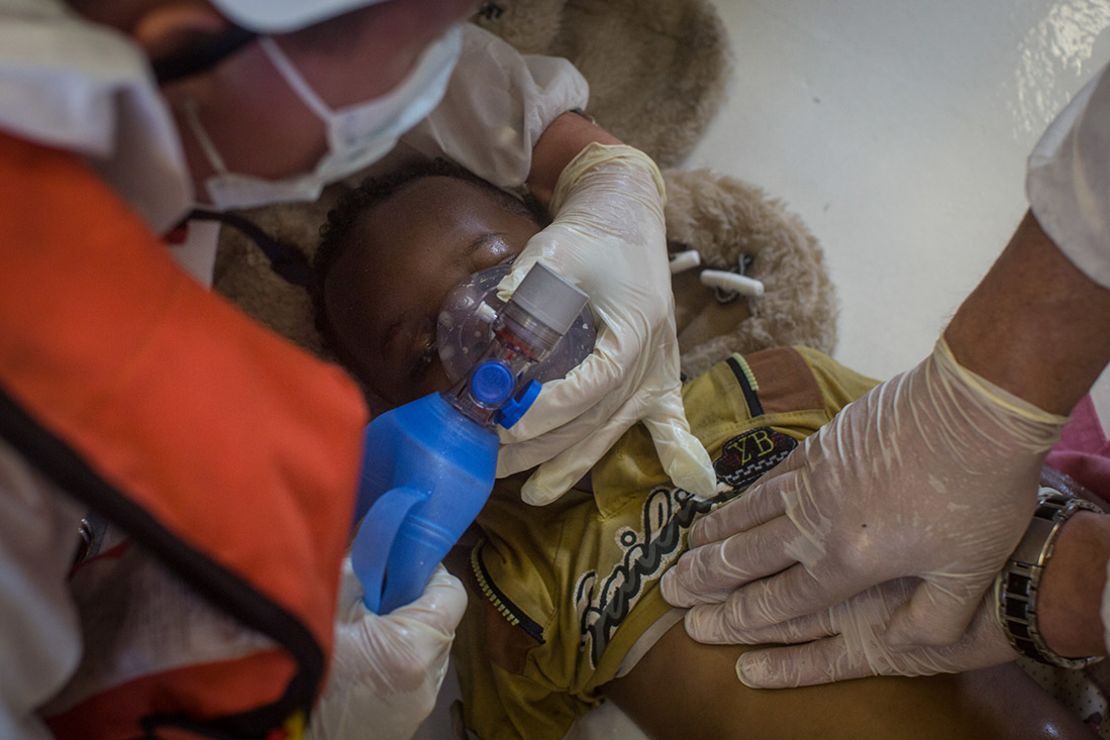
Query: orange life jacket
pixel 221 449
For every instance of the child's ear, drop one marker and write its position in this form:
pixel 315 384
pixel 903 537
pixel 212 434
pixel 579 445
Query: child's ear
pixel 169 28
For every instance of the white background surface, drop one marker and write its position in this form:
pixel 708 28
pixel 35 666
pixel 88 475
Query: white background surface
pixel 898 130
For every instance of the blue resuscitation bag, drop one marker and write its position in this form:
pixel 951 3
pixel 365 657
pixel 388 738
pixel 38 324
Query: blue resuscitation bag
pixel 427 472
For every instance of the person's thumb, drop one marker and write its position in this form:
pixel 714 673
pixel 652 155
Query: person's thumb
pixel 441 606
pixel 556 476
pixel 937 614
pixel 520 268
pixel 681 453
pixel 544 247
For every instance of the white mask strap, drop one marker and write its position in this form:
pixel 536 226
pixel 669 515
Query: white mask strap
pixel 189 107
pixel 293 78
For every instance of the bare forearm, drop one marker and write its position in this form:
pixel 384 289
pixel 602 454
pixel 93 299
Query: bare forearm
pixel 1071 591
pixel 561 142
pixel 1036 325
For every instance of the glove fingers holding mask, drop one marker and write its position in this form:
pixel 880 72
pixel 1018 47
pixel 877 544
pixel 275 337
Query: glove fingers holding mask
pixel 609 239
pixel 387 670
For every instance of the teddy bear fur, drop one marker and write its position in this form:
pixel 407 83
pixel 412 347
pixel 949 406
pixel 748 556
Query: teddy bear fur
pixel 724 218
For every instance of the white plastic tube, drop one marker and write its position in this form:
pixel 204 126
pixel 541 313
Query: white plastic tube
pixel 731 281
pixel 683 261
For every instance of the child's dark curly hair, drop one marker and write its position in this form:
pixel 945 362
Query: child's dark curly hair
pixel 337 234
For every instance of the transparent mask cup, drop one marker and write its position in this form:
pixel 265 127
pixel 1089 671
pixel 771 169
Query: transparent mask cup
pixel 465 329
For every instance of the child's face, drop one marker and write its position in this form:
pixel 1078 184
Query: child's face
pixel 384 293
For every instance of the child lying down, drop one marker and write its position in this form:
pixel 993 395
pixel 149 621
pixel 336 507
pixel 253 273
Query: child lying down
pixel 565 607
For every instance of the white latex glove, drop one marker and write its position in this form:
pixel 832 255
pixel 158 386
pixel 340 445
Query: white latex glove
pixel 849 643
pixel 608 238
pixel 386 670
pixel 932 474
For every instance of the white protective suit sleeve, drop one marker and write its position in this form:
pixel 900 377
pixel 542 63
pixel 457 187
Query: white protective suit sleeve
pixel 1068 181
pixel 1068 185
pixel 386 670
pixel 40 638
pixel 72 84
pixel 497 105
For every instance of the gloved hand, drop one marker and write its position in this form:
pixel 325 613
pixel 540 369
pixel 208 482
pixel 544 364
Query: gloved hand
pixel 608 238
pixel 849 643
pixel 932 474
pixel 386 670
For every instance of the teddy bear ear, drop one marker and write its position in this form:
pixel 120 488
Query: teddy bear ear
pixel 729 221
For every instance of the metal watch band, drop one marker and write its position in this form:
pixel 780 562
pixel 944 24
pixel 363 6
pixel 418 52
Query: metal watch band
pixel 1017 585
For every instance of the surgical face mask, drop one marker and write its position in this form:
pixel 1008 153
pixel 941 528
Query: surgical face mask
pixel 464 329
pixel 358 135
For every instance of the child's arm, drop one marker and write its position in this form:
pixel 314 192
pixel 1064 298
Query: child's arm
pixel 685 689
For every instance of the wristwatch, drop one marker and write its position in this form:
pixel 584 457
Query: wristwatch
pixel 1017 585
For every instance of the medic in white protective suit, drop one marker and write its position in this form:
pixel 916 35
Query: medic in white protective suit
pixel 877 542
pixel 225 460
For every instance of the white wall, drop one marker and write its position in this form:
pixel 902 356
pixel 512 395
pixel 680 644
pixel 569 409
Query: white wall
pixel 898 130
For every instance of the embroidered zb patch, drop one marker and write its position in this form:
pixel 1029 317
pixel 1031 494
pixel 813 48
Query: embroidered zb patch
pixel 604 601
pixel 747 456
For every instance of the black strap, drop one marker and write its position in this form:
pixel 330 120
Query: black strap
pixel 287 261
pixel 755 407
pixel 195 60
